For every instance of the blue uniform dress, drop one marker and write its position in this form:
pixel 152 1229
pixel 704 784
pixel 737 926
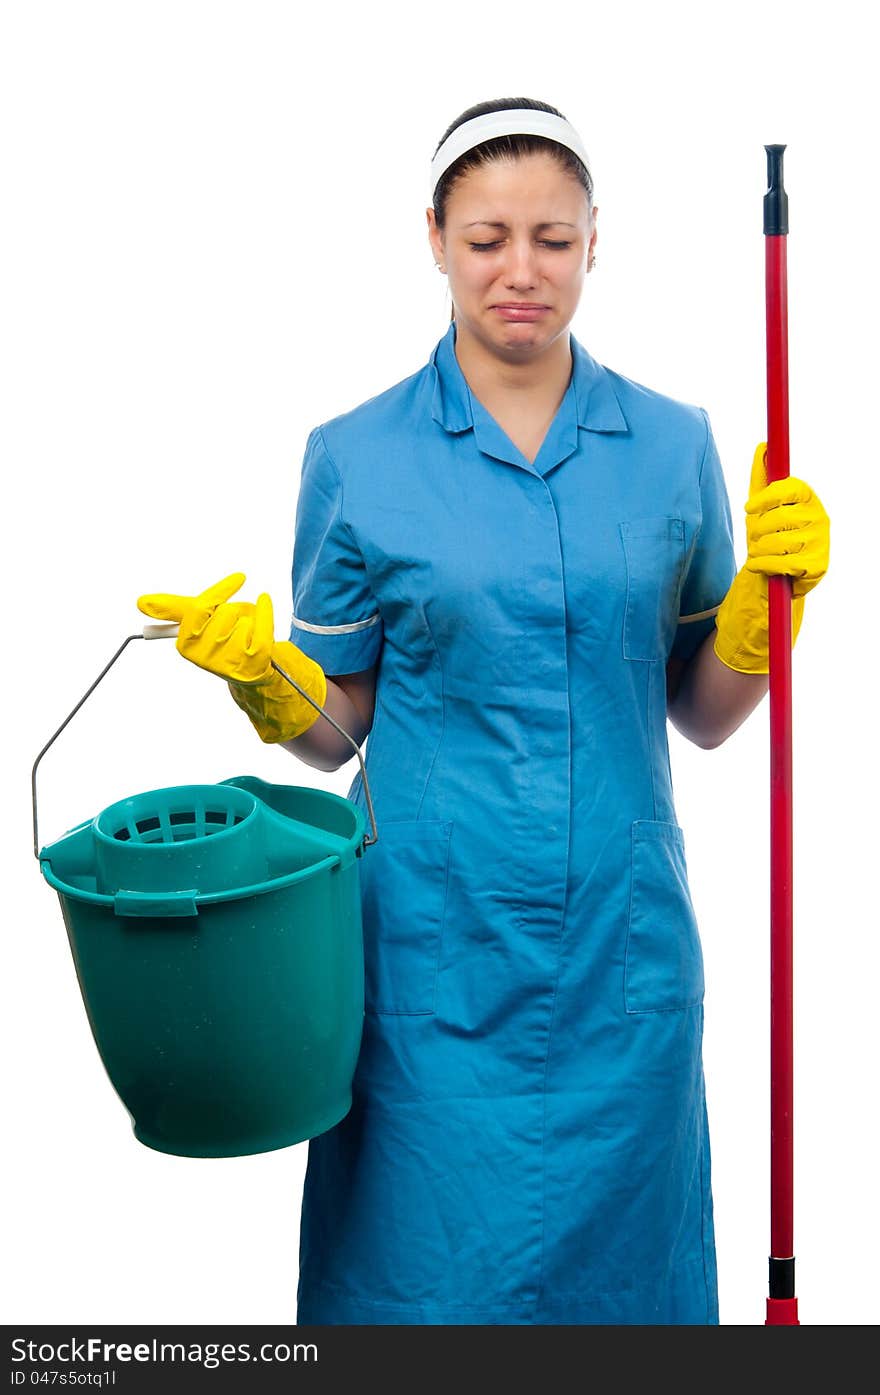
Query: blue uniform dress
pixel 528 1141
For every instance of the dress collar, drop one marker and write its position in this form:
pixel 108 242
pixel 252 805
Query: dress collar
pixel 595 403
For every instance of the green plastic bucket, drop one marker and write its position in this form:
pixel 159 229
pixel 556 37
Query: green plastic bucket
pixel 217 937
pixel 216 932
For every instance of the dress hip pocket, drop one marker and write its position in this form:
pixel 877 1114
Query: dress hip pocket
pixel 403 897
pixel 664 961
pixel 654 549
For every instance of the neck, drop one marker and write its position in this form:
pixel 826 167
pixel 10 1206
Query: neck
pixel 491 372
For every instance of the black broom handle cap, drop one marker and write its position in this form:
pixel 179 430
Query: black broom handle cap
pixel 776 199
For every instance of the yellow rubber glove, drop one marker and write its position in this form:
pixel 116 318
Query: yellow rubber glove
pixel 235 640
pixel 788 533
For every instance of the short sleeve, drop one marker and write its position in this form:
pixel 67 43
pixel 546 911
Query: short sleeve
pixel 335 620
pixel 711 563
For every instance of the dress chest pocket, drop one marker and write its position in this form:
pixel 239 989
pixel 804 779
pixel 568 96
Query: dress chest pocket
pixel 654 549
pixel 403 897
pixel 664 959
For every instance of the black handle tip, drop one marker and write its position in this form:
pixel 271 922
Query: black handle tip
pixel 776 199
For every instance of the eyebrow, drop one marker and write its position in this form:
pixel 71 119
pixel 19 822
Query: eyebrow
pixel 486 222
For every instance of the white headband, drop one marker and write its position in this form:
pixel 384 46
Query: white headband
pixel 515 121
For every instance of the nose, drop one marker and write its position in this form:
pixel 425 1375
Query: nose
pixel 520 270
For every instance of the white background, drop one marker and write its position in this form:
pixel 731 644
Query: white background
pixel 213 239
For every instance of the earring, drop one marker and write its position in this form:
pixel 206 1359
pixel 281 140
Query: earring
pixel 592 264
pixel 439 267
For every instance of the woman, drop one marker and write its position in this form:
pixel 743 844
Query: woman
pixel 524 563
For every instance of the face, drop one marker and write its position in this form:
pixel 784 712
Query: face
pixel 518 233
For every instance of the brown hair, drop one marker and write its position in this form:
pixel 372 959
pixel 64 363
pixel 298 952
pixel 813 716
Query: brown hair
pixel 499 146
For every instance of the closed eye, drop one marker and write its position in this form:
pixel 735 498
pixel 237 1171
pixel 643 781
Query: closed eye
pixel 487 246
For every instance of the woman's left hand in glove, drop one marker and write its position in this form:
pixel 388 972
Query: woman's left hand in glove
pixel 788 533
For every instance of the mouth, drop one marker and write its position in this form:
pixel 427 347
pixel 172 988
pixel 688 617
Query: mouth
pixel 521 310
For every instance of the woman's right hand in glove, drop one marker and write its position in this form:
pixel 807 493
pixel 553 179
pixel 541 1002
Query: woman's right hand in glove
pixel 235 640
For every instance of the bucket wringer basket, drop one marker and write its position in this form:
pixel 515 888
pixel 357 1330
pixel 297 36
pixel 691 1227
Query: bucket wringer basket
pixel 217 937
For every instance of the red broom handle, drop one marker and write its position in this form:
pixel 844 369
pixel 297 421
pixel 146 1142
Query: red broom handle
pixel 781 1303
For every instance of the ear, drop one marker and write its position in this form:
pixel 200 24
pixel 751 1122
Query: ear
pixel 595 232
pixel 435 237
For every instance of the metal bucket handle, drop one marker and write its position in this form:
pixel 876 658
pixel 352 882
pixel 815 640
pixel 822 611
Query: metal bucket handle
pixel 169 631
